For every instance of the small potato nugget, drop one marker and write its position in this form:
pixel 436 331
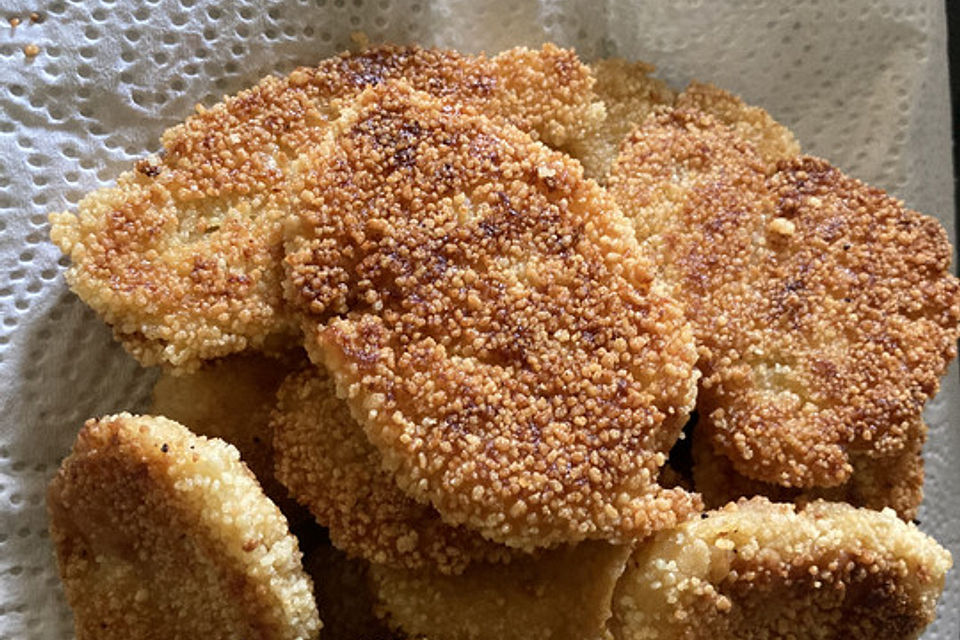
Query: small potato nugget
pixel 488 318
pixel 877 482
pixel 824 310
pixel 762 571
pixel 161 534
pixel 231 399
pixel 182 257
pixel 560 594
pixel 329 466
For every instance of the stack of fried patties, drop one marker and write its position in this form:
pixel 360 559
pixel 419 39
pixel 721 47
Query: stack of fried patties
pixel 461 309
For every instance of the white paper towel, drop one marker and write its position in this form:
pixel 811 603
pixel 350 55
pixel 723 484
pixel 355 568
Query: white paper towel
pixel 861 82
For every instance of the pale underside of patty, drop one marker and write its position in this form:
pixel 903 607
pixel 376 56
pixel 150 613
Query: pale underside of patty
pixel 824 310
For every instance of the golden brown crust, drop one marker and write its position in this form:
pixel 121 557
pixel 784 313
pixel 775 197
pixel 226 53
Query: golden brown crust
pixel 162 534
pixel 182 256
pixel 629 94
pixel 344 595
pixel 480 304
pixel 824 310
pixel 326 461
pixel 762 571
pixel 877 482
pixel 561 594
pixel 773 141
pixel 231 399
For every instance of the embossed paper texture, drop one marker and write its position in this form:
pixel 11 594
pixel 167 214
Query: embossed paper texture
pixel 862 83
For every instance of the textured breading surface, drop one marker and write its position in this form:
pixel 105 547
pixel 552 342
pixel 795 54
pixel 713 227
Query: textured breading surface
pixel 824 310
pixel 877 482
pixel 344 596
pixel 231 399
pixel 629 94
pixel 163 534
pixel 182 256
pixel 772 140
pixel 762 571
pixel 324 458
pixel 561 594
pixel 486 314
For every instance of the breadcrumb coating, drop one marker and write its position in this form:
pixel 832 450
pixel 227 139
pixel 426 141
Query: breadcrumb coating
pixel 163 534
pixel 762 571
pixel 773 141
pixel 326 461
pixel 877 482
pixel 486 314
pixel 629 94
pixel 344 596
pixel 824 310
pixel 560 594
pixel 182 256
pixel 231 399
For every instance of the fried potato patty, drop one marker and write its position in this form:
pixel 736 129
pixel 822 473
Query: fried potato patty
pixel 163 534
pixel 773 141
pixel 558 594
pixel 757 570
pixel 231 399
pixel 824 310
pixel 182 256
pixel 329 466
pixel 486 314
pixel 629 94
pixel 877 482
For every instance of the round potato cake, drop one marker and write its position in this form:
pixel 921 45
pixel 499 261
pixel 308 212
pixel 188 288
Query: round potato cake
pixel 162 534
pixel 486 314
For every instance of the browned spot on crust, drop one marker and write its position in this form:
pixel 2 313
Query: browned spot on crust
pixel 182 256
pixel 772 140
pixel 485 312
pixel 821 336
pixel 325 460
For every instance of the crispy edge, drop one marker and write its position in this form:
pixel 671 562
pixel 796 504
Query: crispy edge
pixel 232 399
pixel 629 93
pixel 877 483
pixel 329 466
pixel 773 141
